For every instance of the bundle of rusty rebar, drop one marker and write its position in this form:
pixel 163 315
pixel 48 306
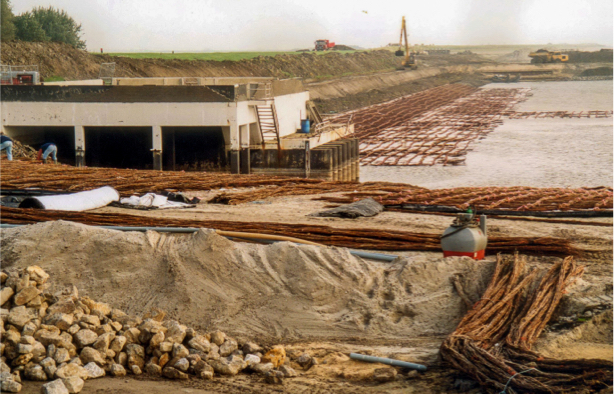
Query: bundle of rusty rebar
pixel 361 238
pixel 23 174
pixel 492 344
pixel 517 198
pixel 558 114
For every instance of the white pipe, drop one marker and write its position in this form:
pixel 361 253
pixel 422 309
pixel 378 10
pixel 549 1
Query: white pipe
pixel 76 202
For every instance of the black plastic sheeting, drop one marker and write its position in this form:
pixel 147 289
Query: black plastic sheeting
pixel 363 208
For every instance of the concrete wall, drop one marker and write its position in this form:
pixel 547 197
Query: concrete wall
pixel 290 108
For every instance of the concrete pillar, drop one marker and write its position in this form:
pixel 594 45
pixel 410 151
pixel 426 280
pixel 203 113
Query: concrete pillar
pixel 156 134
pixel 244 161
pixel 235 162
pixel 79 146
pixel 357 159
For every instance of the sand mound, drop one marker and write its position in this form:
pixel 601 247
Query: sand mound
pixel 281 290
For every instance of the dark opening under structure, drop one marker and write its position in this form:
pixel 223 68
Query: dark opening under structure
pixel 62 137
pixel 193 149
pixel 118 147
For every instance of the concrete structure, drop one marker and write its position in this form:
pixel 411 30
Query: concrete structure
pixel 163 123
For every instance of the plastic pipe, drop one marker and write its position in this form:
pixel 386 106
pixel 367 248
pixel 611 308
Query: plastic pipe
pixel 262 238
pixel 75 202
pixel 388 361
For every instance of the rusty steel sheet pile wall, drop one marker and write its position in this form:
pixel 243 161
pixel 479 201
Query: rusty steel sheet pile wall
pixel 517 198
pixel 492 344
pixel 360 238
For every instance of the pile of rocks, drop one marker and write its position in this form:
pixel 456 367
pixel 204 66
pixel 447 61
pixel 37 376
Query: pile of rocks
pixel 70 339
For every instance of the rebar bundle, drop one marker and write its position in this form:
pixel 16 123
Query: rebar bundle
pixel 558 114
pixel 23 174
pixel 360 238
pixel 517 198
pixel 492 344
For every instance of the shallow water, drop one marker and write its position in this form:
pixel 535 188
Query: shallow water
pixel 530 152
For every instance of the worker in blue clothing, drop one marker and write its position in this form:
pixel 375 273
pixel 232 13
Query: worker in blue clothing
pixel 6 144
pixel 46 150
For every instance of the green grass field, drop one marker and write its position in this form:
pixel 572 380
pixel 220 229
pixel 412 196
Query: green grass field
pixel 219 56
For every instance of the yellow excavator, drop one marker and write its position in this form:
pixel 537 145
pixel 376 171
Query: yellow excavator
pixel 409 61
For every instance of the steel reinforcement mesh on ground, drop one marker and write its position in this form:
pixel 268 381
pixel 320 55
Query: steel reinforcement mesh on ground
pixel 439 125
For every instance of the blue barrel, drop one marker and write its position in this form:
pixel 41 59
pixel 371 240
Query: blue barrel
pixel 305 126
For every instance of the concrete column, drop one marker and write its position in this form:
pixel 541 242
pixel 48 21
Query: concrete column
pixel 156 134
pixel 244 161
pixel 79 146
pixel 235 162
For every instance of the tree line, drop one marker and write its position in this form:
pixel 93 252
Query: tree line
pixel 39 25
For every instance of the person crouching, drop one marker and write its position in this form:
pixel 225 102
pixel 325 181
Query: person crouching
pixel 46 150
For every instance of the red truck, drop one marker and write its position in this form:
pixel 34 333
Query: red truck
pixel 323 45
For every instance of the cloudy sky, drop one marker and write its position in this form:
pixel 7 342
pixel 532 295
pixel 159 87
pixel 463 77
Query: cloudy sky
pixel 261 25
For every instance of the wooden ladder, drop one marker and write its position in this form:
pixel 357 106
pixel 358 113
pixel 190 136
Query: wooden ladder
pixel 269 126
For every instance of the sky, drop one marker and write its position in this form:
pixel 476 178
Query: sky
pixel 267 25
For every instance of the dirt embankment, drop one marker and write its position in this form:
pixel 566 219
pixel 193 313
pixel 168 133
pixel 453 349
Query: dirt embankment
pixel 55 59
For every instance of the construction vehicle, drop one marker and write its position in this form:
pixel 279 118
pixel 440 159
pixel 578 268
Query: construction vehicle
pixel 409 61
pixel 324 45
pixel 545 56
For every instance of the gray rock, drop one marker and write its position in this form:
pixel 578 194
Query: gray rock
pixel 251 348
pixel 61 356
pixel 55 387
pixel 176 332
pixel 63 321
pixel 5 294
pixel 24 348
pixel 203 370
pixel 288 372
pixel 19 316
pixel 173 373
pixel 104 341
pixel 180 351
pixel 29 329
pixel 156 339
pixel 384 374
pixel 153 369
pixel 274 377
pixel 72 330
pixel 73 384
pixel 49 367
pixel 117 370
pixel 218 337
pixel 229 346
pixel 47 338
pixel 10 386
pixel 252 359
pixel 90 319
pixel 89 355
pixel 67 370
pixel 182 364
pixel 94 371
pixel 35 372
pixel 262 368
pixel 66 305
pixel 201 343
pixel 135 369
pixel 228 366
pixel 26 295
pixel 166 347
pixel 118 343
pixel 306 361
pixel 84 338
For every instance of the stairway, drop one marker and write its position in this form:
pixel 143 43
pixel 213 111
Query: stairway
pixel 269 127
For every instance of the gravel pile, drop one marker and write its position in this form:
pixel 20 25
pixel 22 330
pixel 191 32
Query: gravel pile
pixel 67 339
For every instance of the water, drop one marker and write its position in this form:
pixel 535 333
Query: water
pixel 530 152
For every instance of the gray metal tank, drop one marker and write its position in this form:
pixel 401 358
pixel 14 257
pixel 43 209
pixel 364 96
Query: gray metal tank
pixel 465 237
